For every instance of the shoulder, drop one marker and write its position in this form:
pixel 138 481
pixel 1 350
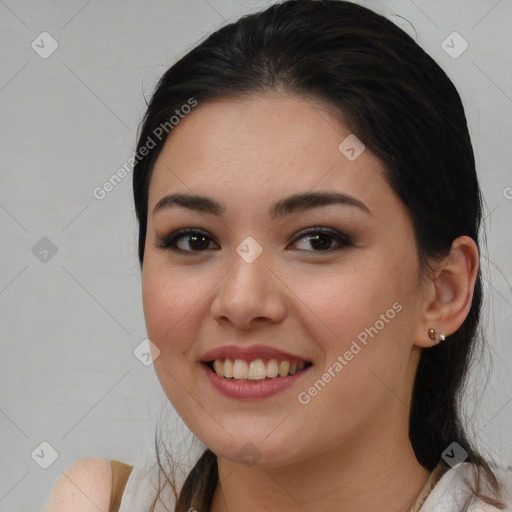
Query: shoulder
pixel 504 477
pixel 455 489
pixel 86 486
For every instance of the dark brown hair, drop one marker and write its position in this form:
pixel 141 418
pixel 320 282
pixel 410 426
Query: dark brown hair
pixel 401 105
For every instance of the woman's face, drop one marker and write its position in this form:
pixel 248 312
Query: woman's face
pixel 265 281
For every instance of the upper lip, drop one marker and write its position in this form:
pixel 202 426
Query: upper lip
pixel 249 353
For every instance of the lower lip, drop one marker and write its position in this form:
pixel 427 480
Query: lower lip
pixel 247 389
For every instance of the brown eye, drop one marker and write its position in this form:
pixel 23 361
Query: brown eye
pixel 320 239
pixel 193 241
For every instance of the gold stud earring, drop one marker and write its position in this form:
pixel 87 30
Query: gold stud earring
pixel 432 335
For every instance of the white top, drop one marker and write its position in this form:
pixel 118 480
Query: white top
pixel 141 489
pixel 449 494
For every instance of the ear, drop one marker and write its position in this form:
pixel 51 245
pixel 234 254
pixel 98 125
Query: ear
pixel 448 292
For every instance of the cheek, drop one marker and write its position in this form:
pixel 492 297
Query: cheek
pixel 169 309
pixel 167 302
pixel 347 302
pixel 364 314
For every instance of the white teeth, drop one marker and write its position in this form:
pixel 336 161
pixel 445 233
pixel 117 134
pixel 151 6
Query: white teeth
pixel 256 370
pixel 272 368
pixel 227 369
pixel 240 369
pixel 284 367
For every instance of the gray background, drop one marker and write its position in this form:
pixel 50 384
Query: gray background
pixel 70 321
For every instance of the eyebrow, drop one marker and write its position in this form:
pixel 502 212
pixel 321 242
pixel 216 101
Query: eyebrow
pixel 286 206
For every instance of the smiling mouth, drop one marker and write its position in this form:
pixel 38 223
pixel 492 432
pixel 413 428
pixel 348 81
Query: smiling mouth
pixel 257 370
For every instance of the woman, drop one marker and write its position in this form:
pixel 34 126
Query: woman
pixel 310 273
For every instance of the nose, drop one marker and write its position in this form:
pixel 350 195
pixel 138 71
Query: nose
pixel 250 294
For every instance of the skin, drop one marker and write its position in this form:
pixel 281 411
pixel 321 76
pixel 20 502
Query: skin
pixel 348 448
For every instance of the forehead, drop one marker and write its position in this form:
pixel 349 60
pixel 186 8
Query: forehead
pixel 262 147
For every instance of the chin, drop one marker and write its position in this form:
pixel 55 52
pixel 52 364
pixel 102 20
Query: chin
pixel 253 452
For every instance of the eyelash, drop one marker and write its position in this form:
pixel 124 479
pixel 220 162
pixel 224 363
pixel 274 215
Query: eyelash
pixel 169 241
